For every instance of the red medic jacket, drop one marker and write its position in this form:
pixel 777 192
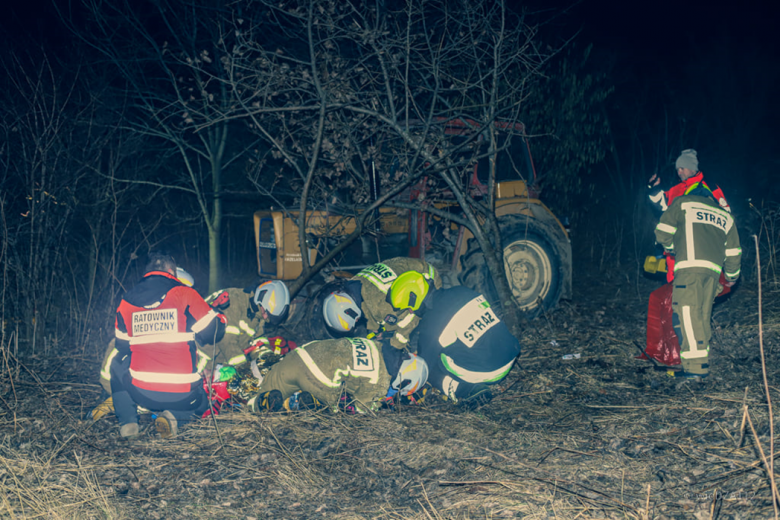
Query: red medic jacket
pixel 158 321
pixel 663 199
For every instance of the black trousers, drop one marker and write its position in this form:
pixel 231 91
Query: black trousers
pixel 127 397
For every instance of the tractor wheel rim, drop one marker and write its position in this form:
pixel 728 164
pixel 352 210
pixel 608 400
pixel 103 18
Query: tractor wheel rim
pixel 529 272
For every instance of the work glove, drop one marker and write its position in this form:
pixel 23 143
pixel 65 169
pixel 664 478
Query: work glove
pixel 259 349
pixel 221 302
pixel 268 351
pixel 280 346
pixel 376 335
pixel 101 410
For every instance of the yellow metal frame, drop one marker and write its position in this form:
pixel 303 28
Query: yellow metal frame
pixel 512 198
pixel 289 264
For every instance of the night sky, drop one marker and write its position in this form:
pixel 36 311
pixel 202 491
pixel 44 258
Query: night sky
pixel 658 44
pixel 663 29
pixel 648 36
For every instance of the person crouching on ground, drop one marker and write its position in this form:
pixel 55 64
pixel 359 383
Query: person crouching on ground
pixel 466 345
pixel 351 373
pixel 159 322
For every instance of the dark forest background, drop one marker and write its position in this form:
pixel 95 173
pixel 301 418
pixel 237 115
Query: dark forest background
pixel 129 126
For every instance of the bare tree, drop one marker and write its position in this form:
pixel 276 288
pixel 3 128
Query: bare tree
pixel 64 258
pixel 167 56
pixel 339 88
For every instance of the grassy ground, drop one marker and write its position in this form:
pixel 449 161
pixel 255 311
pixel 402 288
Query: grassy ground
pixel 601 436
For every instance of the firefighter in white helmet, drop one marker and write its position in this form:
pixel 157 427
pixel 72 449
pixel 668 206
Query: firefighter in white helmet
pixel 367 293
pixel 347 373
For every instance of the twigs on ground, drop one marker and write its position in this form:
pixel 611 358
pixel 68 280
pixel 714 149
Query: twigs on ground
pixel 771 466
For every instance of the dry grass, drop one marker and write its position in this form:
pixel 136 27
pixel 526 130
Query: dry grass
pixel 603 436
pixel 32 488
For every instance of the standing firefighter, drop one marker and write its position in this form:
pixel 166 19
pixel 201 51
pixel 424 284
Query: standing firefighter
pixel 704 241
pixel 467 347
pixel 661 339
pixel 367 293
pixel 355 371
pixel 158 323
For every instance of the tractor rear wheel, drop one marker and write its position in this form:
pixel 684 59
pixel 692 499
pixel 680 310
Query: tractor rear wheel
pixel 531 263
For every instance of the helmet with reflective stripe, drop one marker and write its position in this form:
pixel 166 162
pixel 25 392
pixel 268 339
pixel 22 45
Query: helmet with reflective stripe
pixel 274 297
pixel 340 311
pixel 408 291
pixel 411 376
pixel 185 277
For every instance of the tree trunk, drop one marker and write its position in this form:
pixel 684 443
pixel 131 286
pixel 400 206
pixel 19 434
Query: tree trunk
pixel 494 257
pixel 215 247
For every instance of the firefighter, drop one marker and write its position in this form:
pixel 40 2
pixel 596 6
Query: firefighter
pixel 250 313
pixel 466 345
pixel 703 238
pixel 157 325
pixel 367 291
pixel 660 336
pixel 687 166
pixel 324 372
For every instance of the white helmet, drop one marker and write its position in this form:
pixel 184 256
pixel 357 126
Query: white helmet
pixel 185 277
pixel 274 297
pixel 412 375
pixel 340 311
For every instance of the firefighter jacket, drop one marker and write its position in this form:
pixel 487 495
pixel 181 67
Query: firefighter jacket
pixel 380 315
pixel 331 368
pixel 158 323
pixel 701 235
pixel 463 341
pixel 105 366
pixel 244 323
pixel 661 200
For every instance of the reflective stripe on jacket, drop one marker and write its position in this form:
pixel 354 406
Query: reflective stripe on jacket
pixel 701 235
pixel 375 283
pixel 158 321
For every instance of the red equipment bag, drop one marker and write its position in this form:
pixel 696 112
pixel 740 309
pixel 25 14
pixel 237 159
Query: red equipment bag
pixel 218 395
pixel 662 343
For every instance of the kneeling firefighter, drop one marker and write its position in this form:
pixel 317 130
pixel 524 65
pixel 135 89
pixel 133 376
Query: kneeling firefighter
pixel 466 345
pixel 365 295
pixel 329 372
